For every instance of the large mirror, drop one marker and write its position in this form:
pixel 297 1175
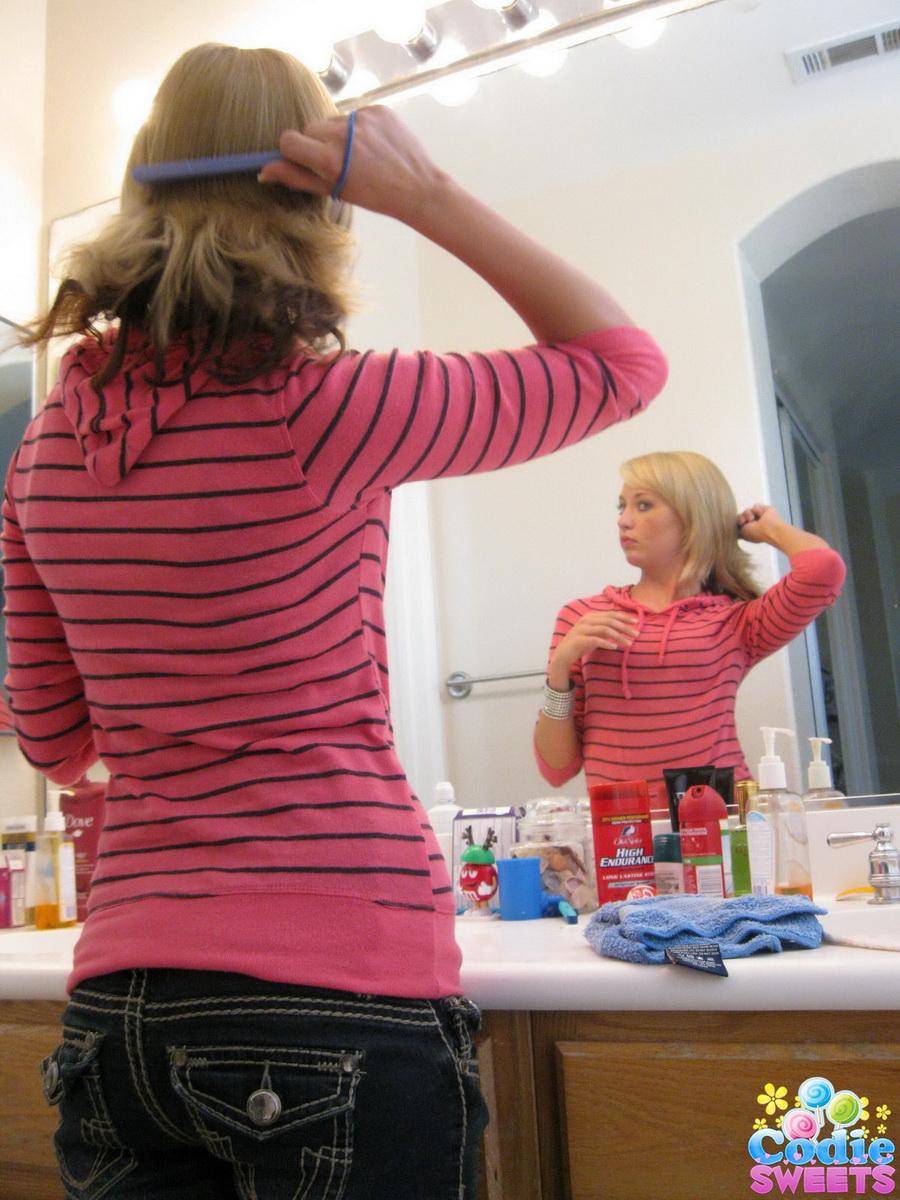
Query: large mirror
pixel 746 217
pixel 22 786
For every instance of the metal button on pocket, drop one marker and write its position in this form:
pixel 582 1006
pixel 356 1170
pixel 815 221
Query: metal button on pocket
pixel 50 1081
pixel 263 1107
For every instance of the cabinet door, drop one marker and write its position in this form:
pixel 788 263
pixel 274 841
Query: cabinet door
pixel 673 1118
pixel 510 1156
pixel 28 1032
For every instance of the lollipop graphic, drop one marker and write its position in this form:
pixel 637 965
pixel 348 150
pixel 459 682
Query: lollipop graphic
pixel 843 1109
pixel 800 1123
pixel 814 1093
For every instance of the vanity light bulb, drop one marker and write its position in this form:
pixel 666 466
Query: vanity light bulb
pixel 316 52
pixel 131 104
pixel 515 13
pixel 401 23
pixel 644 32
pixel 543 60
pixel 454 90
pixel 360 82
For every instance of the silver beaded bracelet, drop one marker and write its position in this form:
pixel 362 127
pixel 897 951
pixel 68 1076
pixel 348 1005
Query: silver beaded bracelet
pixel 558 705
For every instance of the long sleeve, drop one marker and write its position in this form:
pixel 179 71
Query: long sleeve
pixel 47 701
pixel 784 611
pixel 566 618
pixel 363 423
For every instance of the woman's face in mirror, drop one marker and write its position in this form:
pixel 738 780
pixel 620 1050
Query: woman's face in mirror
pixel 651 533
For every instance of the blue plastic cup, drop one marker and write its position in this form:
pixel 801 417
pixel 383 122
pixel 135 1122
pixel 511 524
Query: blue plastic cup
pixel 521 896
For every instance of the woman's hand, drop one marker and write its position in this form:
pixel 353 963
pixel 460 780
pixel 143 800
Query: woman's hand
pixel 389 170
pixel 762 523
pixel 594 631
pixel 758 523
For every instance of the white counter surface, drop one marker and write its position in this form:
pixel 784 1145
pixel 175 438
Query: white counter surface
pixel 548 965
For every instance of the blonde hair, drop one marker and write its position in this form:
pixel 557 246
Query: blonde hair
pixel 700 496
pixel 247 270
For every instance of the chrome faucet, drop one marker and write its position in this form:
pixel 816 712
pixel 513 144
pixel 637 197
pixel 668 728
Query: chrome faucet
pixel 884 861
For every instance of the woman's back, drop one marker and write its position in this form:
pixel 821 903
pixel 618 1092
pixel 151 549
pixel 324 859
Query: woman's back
pixel 215 557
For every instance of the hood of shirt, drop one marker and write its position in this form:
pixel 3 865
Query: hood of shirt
pixel 115 425
pixel 620 597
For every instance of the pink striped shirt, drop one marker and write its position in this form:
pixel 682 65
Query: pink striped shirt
pixel 668 699
pixel 194 576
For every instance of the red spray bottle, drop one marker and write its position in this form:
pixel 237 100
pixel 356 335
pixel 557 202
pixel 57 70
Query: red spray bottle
pixel 700 810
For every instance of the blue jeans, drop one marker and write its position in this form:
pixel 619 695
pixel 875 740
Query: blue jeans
pixel 200 1085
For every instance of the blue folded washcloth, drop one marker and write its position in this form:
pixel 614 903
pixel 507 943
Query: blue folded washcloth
pixel 640 930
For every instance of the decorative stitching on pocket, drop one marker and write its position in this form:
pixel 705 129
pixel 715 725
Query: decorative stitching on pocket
pixel 339 1158
pixel 208 1096
pixel 111 1160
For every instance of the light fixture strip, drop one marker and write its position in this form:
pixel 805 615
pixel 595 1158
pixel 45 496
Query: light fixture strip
pixel 518 14
pixel 568 33
pixel 424 45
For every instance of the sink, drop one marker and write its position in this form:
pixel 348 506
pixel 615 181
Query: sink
pixel 857 923
pixel 31 942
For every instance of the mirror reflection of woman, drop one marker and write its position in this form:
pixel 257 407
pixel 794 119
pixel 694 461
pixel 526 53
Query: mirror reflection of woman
pixel 266 992
pixel 645 677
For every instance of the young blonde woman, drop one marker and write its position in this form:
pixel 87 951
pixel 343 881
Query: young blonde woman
pixel 645 677
pixel 266 997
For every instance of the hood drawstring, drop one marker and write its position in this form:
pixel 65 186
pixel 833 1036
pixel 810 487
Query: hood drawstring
pixel 663 645
pixel 627 651
pixel 673 616
pixel 620 597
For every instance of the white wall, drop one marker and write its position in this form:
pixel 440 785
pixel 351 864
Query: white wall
pixel 22 34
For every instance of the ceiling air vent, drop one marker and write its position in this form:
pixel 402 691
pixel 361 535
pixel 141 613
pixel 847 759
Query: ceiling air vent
pixel 854 48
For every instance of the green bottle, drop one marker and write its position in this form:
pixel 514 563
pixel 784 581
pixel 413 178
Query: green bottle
pixel 740 854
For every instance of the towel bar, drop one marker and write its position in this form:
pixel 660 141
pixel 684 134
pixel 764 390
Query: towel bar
pixel 459 684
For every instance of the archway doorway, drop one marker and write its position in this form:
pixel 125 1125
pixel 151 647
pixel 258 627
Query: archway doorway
pixel 823 299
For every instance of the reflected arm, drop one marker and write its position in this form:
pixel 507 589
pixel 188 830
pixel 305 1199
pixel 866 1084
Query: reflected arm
pixel 784 611
pixel 558 743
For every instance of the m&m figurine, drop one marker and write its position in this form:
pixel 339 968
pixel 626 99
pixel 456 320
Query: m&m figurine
pixel 477 873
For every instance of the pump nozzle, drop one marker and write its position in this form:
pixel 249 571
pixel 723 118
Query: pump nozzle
pixel 819 772
pixel 771 767
pixel 768 732
pixel 54 820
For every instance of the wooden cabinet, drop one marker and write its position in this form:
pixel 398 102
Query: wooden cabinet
pixel 584 1105
pixel 29 1030
pixel 613 1106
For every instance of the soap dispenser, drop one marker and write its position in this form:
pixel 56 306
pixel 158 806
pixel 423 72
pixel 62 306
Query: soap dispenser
pixel 787 817
pixel 821 792
pixel 55 900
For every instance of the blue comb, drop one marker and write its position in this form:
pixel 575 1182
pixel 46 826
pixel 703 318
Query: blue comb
pixel 196 168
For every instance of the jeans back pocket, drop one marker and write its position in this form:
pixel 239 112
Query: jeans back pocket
pixel 243 1100
pixel 91 1156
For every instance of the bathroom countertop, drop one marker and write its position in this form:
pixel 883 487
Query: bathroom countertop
pixel 548 965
